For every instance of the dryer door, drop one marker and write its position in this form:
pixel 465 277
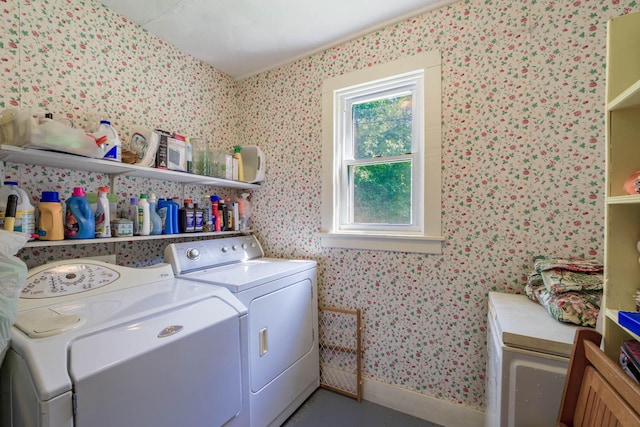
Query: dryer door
pixel 179 368
pixel 281 331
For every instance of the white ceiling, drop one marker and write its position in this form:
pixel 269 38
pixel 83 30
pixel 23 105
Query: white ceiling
pixel 244 37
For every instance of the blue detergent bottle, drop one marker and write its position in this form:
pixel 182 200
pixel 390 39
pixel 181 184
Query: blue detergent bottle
pixel 173 214
pixel 79 220
pixel 165 214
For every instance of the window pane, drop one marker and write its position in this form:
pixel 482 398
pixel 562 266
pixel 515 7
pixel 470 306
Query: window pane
pixel 382 128
pixel 382 193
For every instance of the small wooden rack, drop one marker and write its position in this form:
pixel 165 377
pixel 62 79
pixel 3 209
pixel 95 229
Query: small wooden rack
pixel 340 351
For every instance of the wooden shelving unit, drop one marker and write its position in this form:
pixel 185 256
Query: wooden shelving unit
pixel 622 214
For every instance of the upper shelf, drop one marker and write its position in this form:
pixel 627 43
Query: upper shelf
pixel 627 99
pixel 10 153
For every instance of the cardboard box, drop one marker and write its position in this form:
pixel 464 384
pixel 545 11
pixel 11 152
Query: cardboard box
pixel 176 155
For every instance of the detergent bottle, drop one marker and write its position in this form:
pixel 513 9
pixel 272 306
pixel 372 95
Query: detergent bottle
pixel 165 212
pixel 79 220
pixel 143 216
pixel 50 225
pixel 113 146
pixel 24 220
pixel 174 206
pixel 156 221
pixel 102 216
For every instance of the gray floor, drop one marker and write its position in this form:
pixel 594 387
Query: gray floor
pixel 325 408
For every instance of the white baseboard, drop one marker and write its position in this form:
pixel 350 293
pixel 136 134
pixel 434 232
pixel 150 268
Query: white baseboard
pixel 420 405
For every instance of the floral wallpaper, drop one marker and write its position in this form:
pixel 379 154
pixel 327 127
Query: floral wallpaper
pixel 80 61
pixel 523 155
pixel 523 174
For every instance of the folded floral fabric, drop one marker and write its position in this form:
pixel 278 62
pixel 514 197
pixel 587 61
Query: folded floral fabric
pixel 570 289
pixel 558 280
pixel 543 263
pixel 580 308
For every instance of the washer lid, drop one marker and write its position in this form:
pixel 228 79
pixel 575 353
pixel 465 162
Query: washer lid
pixel 524 324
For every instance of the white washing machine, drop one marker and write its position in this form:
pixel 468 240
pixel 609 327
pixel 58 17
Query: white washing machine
pixel 527 361
pixel 100 345
pixel 282 299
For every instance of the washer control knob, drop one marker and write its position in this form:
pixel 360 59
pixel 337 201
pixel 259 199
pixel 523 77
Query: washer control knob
pixel 193 254
pixel 225 249
pixel 244 246
pixel 253 244
pixel 234 247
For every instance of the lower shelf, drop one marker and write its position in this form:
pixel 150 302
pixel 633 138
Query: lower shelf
pixel 613 315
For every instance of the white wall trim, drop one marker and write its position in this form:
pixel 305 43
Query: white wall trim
pixel 421 406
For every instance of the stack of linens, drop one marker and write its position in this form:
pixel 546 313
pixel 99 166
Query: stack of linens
pixel 570 289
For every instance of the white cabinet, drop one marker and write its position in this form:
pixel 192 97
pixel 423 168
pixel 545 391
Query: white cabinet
pixel 528 357
pixel 622 215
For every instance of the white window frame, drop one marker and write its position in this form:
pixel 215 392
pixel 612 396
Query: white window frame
pixel 425 236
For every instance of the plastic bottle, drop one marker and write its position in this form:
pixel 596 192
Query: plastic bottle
pixel 7 189
pixel 25 214
pixel 144 219
pixel 24 220
pixel 103 214
pixel 199 219
pixel 215 213
pixel 10 212
pixel 186 218
pixel 131 213
pixel 50 226
pixel 228 211
pixel 79 220
pixel 156 221
pixel 174 206
pixel 244 210
pixel 112 147
pixel 223 209
pixel 207 223
pixel 189 149
pixel 164 212
pixel 238 156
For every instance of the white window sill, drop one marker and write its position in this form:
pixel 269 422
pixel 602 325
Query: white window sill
pixel 417 244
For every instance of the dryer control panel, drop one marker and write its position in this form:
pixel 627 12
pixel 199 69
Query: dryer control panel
pixel 197 255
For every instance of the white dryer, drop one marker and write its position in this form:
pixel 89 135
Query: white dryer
pixel 282 299
pixel 100 345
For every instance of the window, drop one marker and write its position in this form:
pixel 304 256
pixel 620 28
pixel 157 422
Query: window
pixel 381 157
